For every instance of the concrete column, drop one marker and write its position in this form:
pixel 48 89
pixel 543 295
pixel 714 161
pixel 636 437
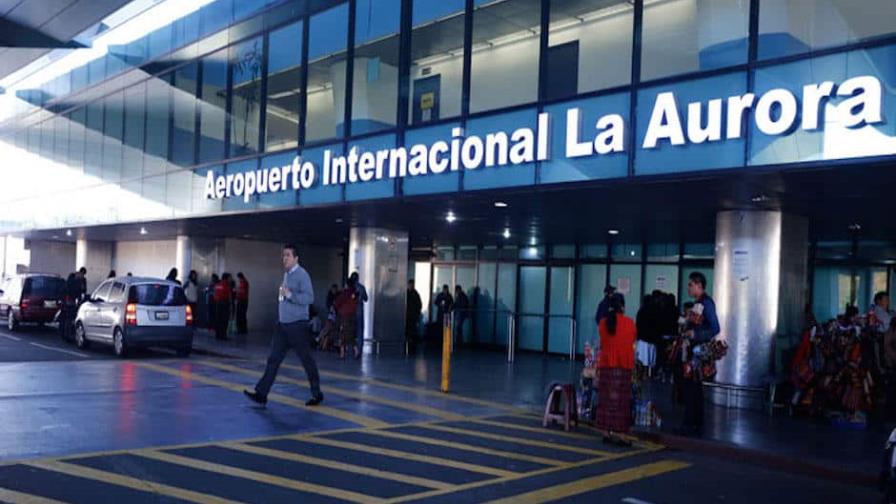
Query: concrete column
pixel 760 291
pixel 183 257
pixel 380 256
pixel 96 256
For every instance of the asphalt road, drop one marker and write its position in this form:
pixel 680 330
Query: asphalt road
pixel 43 343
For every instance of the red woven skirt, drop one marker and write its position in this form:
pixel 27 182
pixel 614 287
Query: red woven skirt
pixel 614 400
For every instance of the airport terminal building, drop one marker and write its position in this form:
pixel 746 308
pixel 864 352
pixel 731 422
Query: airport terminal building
pixel 531 151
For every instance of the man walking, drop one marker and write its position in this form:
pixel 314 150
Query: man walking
pixel 296 295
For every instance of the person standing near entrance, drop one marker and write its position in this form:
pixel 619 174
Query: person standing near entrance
pixel 412 314
pixel 346 306
pixel 604 306
pixel 359 321
pixel 242 304
pixel 615 365
pixel 292 330
pixel 444 304
pixel 191 291
pixel 702 326
pixel 223 299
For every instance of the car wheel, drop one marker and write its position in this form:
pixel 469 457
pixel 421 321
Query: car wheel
pixel 184 352
pixel 81 336
pixel 118 343
pixel 11 323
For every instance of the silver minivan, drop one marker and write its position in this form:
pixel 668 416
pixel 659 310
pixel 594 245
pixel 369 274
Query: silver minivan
pixel 134 312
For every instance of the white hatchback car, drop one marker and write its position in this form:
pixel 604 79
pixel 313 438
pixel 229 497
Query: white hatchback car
pixel 134 312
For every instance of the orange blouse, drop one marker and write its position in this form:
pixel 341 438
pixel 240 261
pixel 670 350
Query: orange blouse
pixel 618 350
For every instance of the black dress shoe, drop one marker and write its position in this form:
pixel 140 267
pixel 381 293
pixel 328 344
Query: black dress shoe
pixel 314 401
pixel 256 397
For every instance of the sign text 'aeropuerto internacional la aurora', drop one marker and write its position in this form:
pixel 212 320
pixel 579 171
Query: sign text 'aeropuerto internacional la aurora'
pixel 777 112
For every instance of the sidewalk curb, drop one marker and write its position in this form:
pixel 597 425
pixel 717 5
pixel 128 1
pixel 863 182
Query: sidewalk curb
pixel 782 463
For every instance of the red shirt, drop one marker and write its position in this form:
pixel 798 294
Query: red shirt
pixel 618 350
pixel 346 303
pixel 223 293
pixel 242 290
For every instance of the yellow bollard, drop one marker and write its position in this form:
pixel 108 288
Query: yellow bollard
pixel 446 354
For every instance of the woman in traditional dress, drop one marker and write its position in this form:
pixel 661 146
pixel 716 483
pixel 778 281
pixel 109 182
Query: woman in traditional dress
pixel 615 365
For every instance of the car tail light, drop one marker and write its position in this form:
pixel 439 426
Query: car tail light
pixel 189 315
pixel 23 304
pixel 130 314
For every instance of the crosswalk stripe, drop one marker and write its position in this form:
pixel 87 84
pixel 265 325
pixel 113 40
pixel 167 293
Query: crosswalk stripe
pixel 278 398
pixel 509 439
pixel 129 482
pixel 413 457
pixel 417 408
pixel 519 476
pixel 579 487
pixel 13 497
pixel 415 390
pixel 341 466
pixel 540 430
pixel 632 439
pixel 237 472
pixel 468 447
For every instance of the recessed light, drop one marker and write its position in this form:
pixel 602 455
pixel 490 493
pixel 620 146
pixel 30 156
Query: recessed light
pixel 55 237
pixel 613 232
pixel 506 233
pixel 759 198
pixel 450 217
pixel 339 221
pixel 500 204
pixel 68 232
pixel 532 241
pixel 855 227
pixel 632 253
pixel 143 230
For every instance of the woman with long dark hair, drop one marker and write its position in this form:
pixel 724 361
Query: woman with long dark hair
pixel 615 365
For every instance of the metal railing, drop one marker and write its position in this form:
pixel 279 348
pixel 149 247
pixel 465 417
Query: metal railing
pixel 572 329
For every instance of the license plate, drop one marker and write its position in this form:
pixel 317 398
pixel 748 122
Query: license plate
pixel 49 304
pixel 161 315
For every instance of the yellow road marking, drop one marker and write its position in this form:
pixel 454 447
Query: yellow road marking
pixel 282 399
pixel 257 476
pixel 417 408
pixel 540 430
pixel 462 446
pixel 584 426
pixel 332 464
pixel 519 476
pixel 129 482
pixel 14 497
pixel 593 483
pixel 414 457
pixel 510 439
pixel 416 390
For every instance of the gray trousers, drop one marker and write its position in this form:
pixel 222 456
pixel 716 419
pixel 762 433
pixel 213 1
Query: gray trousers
pixel 298 336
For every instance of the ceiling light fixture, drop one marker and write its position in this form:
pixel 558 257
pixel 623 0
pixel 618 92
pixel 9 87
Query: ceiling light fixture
pixel 855 227
pixel 143 230
pixel 506 233
pixel 450 217
pixel 68 232
pixel 613 232
pixel 759 198
pixel 500 204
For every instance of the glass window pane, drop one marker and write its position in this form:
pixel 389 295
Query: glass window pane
pixel 437 43
pixel 213 107
pixel 594 251
pixel 483 297
pixel 284 88
pixel 134 131
pixel 445 253
pixel 76 139
pixel 831 291
pixel 505 49
pixel 157 123
pixel 506 300
pixel 560 328
pixel 627 280
pixel 797 26
pixel 113 130
pixel 592 280
pixel 447 181
pixel 466 253
pixel 93 152
pixel 661 277
pixel 627 252
pixel 589 46
pixel 245 61
pixel 699 250
pixel 375 94
pixel 486 177
pixel 184 106
pixel 319 193
pixel 532 253
pixel 328 39
pixel 237 202
pixel 533 283
pixel 681 36
pixel 373 188
pixel 280 198
pixel 664 252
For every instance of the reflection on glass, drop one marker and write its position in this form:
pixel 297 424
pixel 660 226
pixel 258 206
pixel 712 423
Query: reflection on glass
pixel 533 283
pixel 592 278
pixel 245 62
pixel 375 94
pixel 798 26
pixel 505 50
pixel 113 133
pixel 437 46
pixel 158 94
pixel 93 150
pixel 213 107
pixel 134 131
pixel 681 36
pixel 589 46
pixel 284 88
pixel 184 108
pixel 328 38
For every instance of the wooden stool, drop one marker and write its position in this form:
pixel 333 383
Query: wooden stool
pixel 552 412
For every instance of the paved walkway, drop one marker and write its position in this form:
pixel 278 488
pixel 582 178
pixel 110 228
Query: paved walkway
pixel 798 444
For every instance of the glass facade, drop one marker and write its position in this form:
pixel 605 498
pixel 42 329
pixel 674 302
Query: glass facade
pixel 241 81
